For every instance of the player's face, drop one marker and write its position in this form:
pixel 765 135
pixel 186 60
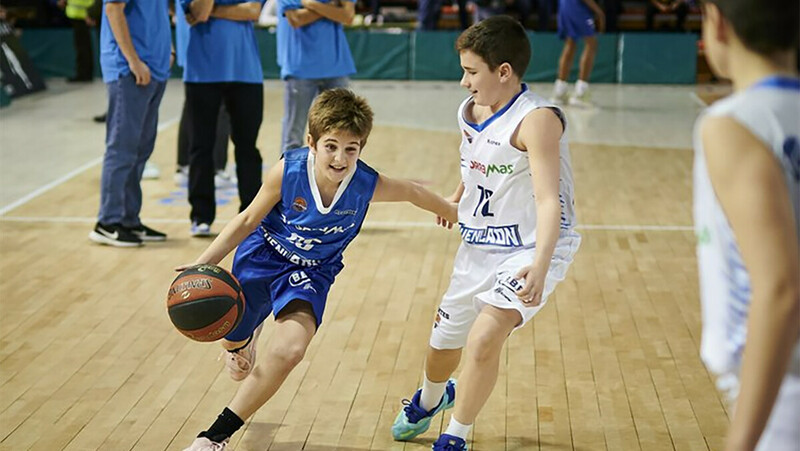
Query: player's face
pixel 336 155
pixel 714 37
pixel 478 79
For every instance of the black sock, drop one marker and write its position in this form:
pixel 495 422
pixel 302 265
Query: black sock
pixel 226 425
pixel 242 346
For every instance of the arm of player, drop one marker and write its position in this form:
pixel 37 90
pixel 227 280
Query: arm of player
pixel 599 15
pixel 392 190
pixel 539 134
pixel 242 12
pixel 199 11
pixel 245 222
pixel 453 198
pixel 301 17
pixel 751 189
pixel 343 13
pixel 115 11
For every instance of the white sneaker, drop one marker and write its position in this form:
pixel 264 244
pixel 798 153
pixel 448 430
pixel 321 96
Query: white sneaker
pixel 559 99
pixel 241 362
pixel 583 101
pixel 200 230
pixel 204 444
pixel 224 180
pixel 151 171
pixel 182 176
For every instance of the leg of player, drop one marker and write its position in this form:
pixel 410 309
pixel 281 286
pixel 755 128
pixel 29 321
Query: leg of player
pixel 477 380
pixel 437 394
pixel 564 65
pixel 294 329
pixel 581 95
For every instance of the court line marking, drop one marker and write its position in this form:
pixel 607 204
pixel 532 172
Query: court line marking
pixel 70 175
pixel 367 224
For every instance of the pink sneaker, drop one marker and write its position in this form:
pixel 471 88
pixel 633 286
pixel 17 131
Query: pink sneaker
pixel 204 444
pixel 241 362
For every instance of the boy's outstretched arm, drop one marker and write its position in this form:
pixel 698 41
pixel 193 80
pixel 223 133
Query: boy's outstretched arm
pixel 391 190
pixel 539 134
pixel 245 222
pixel 751 189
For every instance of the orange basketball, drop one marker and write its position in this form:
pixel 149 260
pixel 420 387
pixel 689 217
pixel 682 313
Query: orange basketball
pixel 205 302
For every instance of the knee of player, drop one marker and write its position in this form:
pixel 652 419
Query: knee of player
pixel 483 346
pixel 287 355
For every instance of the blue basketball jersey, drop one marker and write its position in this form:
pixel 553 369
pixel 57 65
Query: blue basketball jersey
pixel 300 228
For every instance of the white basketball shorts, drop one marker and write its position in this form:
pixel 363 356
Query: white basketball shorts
pixel 483 277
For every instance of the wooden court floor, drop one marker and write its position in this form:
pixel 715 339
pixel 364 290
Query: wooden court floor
pixel 89 360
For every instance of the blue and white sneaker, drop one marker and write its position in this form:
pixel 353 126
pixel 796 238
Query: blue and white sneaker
pixel 413 420
pixel 447 442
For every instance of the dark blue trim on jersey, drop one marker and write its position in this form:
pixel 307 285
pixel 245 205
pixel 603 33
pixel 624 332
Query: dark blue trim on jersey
pixel 778 82
pixel 481 127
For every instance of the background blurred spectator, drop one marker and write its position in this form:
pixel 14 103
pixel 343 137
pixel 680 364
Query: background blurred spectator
pixel 678 7
pixel 313 55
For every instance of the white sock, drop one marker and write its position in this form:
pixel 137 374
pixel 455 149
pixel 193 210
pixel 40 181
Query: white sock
pixel 457 429
pixel 560 87
pixel 431 393
pixel 581 87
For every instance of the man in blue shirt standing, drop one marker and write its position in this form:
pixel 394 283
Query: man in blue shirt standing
pixel 222 65
pixel 313 55
pixel 135 58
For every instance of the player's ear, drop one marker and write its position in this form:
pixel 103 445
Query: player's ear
pixel 310 142
pixel 717 23
pixel 505 71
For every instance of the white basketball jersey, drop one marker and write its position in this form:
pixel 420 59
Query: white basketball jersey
pixel 497 210
pixel 770 110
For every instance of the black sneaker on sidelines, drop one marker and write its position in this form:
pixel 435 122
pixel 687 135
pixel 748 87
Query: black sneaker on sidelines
pixel 114 235
pixel 145 233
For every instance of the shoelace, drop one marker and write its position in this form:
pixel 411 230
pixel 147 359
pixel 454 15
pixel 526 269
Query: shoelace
pixel 413 413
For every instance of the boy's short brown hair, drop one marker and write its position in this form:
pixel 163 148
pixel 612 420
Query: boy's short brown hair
pixel 763 26
pixel 498 40
pixel 340 110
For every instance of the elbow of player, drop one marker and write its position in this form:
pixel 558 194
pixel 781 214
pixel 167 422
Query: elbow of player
pixel 783 297
pixel 254 11
pixel 348 18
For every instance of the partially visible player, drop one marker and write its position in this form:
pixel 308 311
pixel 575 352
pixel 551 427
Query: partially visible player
pixel 577 19
pixel 292 236
pixel 517 221
pixel 747 211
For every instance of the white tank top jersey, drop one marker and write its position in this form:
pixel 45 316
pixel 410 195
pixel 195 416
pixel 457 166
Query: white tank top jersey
pixel 497 210
pixel 770 110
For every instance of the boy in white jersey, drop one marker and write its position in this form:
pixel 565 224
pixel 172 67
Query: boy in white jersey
pixel 516 217
pixel 747 211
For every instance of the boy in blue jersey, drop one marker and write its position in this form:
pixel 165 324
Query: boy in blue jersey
pixel 577 19
pixel 292 236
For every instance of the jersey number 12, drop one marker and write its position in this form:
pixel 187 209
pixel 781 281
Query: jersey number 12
pixel 483 203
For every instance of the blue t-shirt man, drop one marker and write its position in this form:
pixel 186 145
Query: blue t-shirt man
pixel 222 50
pixel 313 55
pixel 148 25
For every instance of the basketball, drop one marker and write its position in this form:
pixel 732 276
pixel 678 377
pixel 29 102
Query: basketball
pixel 205 302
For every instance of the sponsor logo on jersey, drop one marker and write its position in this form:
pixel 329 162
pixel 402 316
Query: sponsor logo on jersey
pixel 492 142
pixel 327 230
pixel 490 169
pixel 299 204
pixel 468 136
pixel 292 257
pixel 345 212
pixel 298 278
pixel 502 236
pixel 439 315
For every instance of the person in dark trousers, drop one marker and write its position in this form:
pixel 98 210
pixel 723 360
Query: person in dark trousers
pixel 222 66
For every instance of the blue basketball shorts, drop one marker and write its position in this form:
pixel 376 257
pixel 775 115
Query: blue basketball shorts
pixel 576 24
pixel 269 283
